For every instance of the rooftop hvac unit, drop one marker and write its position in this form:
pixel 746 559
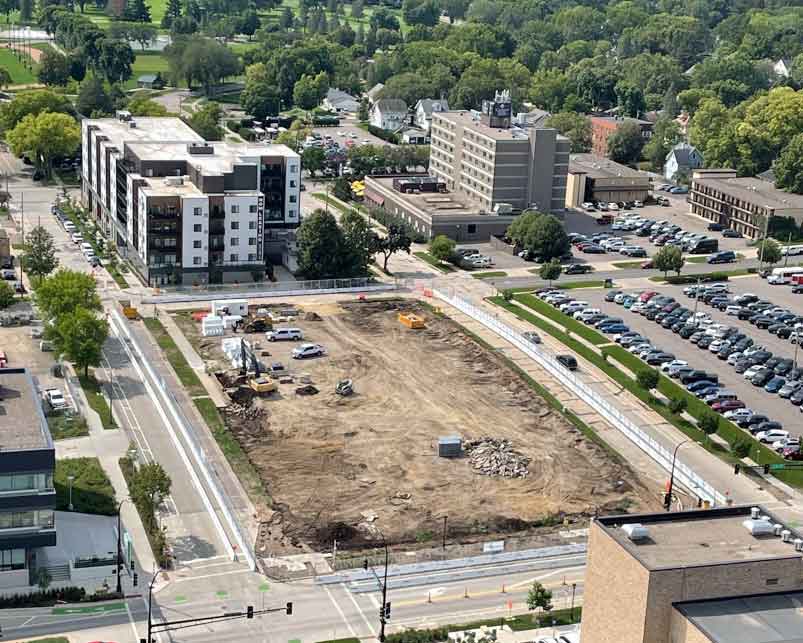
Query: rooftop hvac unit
pixel 450 447
pixel 758 527
pixel 635 531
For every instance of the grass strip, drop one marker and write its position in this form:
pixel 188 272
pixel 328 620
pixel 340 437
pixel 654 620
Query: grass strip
pixel 65 426
pixel 432 261
pixel 567 322
pixel 97 401
pixel 628 264
pixel 489 275
pixel 230 446
pixel 115 274
pixel 92 491
pixel 183 370
pixel 571 285
pixel 695 407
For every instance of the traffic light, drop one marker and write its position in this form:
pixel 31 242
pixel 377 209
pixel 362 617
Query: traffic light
pixel 387 610
pixel 289 609
pixel 365 564
pixel 249 611
pixel 132 565
pixel 381 613
pixel 135 579
pixel 736 469
pixel 766 469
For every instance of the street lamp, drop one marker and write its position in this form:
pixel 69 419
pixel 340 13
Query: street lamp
pixel 119 548
pixel 150 595
pixel 70 479
pixel 668 496
pixel 384 609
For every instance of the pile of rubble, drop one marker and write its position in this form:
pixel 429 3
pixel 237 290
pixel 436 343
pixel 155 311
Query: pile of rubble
pixel 245 412
pixel 492 457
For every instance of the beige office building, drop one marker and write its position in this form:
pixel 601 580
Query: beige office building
pixel 730 575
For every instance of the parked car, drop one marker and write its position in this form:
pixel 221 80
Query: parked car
pixel 531 337
pixel 577 269
pixel 55 398
pixel 568 361
pixel 308 350
pixel 279 334
pixel 771 435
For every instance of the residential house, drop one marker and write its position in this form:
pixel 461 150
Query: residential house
pixel 389 114
pixel 422 118
pixel 414 136
pixel 339 101
pixel 373 94
pixel 681 161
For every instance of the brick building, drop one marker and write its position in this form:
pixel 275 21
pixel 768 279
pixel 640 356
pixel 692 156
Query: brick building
pixel 603 126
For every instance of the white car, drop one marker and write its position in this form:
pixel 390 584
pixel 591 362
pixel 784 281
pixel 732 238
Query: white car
pixel 783 443
pixel 715 345
pixel 613 206
pixel 750 372
pixel 638 204
pixel 69 226
pixel 86 247
pixel 308 350
pixel 341 134
pixel 573 307
pixel 738 414
pixel 588 313
pixel 588 207
pixel 733 358
pixel 638 307
pixel 768 437
pixel 55 398
pixel 733 310
pixel 676 363
pixel 288 334
pixel 77 237
pixel 639 347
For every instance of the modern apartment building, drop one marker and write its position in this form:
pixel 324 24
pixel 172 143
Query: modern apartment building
pixel 186 211
pixel 483 158
pixel 742 203
pixel 729 575
pixel 27 494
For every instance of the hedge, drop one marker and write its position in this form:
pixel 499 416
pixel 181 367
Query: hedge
pixel 693 279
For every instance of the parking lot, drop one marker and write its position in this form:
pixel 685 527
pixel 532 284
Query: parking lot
pixel 754 397
pixel 348 130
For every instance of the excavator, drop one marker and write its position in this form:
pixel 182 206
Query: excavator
pixel 259 384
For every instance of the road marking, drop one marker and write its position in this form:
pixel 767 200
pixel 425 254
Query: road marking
pixel 198 560
pixel 359 609
pixel 529 581
pixel 93 609
pixel 193 578
pixel 28 621
pixel 373 600
pixel 131 620
pixel 340 611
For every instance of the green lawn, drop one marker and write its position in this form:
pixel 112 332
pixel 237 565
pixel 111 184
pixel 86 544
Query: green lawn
pixel 627 264
pixel 20 75
pixel 50 639
pixel 432 261
pixel 183 370
pixel 67 426
pixel 92 492
pixel 567 322
pixel 571 285
pixel 146 62
pixel 97 397
pixel 489 275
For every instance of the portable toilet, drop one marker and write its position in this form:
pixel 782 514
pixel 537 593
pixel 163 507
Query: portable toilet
pixel 450 447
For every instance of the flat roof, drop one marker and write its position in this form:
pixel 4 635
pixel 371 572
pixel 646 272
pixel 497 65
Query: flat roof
pixel 754 190
pixel 598 167
pixel 466 119
pixel 433 203
pixel 776 618
pixel 698 538
pixel 22 423
pixel 622 119
pixel 148 128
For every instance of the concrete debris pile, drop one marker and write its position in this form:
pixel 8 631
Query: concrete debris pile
pixel 492 457
pixel 245 412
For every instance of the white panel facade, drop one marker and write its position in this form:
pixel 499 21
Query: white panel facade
pixel 292 190
pixel 194 244
pixel 241 229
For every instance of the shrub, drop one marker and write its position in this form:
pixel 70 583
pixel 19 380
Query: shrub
pixel 741 447
pixel 678 404
pixel 647 379
pixel 507 294
pixel 708 422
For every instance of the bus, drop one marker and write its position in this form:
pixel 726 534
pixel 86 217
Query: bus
pixel 784 275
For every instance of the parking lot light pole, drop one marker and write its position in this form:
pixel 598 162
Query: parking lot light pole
pixel 70 479
pixel 668 497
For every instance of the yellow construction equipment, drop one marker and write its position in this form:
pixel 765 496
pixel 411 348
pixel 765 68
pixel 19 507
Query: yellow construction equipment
pixel 262 385
pixel 128 310
pixel 411 320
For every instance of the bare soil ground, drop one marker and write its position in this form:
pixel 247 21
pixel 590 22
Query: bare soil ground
pixel 342 467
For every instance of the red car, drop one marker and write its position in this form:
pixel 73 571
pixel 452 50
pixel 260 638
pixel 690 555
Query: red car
pixel 727 405
pixel 647 264
pixel 646 296
pixel 792 453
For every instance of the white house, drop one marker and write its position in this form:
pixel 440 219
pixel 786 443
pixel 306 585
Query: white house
pixel 373 94
pixel 782 67
pixel 414 136
pixel 339 101
pixel 389 114
pixel 682 159
pixel 424 109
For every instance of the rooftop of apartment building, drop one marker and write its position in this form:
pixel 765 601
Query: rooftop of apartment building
pixel 599 167
pixel 748 619
pixel 700 537
pixel 22 423
pixel 432 203
pixel 145 128
pixel 751 190
pixel 471 120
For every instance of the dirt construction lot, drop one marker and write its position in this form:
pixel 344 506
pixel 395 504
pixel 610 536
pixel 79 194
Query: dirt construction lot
pixel 339 467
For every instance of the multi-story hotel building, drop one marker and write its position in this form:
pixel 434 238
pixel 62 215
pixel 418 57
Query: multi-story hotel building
pixel 743 203
pixel 482 158
pixel 186 211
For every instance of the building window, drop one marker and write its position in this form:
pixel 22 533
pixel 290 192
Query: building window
pixel 235 209
pixel 235 241
pixel 292 198
pixel 292 183
pixel 472 228
pixel 234 257
pixel 235 225
pixel 196 261
pixel 252 241
pixel 196 227
pixel 293 168
pixel 196 212
pixel 196 243
pixel 291 214
pixel 252 225
pixel 252 208
pixel 12 559
pixel 252 256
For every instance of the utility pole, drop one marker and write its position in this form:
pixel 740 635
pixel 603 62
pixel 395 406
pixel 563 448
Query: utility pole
pixel 668 496
pixel 119 550
pixel 786 254
pixel 384 609
pixel 150 597
pixel 443 544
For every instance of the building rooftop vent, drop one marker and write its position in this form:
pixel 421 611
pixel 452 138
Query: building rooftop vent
pixel 174 180
pixel 635 531
pixel 758 527
pixel 200 148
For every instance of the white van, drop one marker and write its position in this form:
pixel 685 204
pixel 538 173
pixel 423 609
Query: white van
pixel 86 247
pixel 283 334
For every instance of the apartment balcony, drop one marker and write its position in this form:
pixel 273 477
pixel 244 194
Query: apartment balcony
pixel 217 213
pixel 163 215
pixel 161 246
pixel 217 230
pixel 162 230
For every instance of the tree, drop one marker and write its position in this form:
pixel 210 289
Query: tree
pixel 666 134
pixel 548 239
pixel 668 258
pixel 5 77
pixel 322 250
pixel 80 335
pixel 309 91
pixel 206 122
pixel 396 239
pixel 708 422
pixel 740 447
pixel 626 143
pixel 116 60
pixel 789 166
pixel 313 159
pixel 647 379
pixel 421 12
pixel 357 9
pixel 136 11
pixel 630 98
pixel 677 405
pixel 142 33
pixel 183 26
pixel 359 240
pixel 287 19
pixel 54 69
pixel 26 10
pixel 576 127
pixel 6 295
pixel 93 98
pixel 550 270
pixel 31 102
pixel 260 98
pixel 40 258
pixel 150 485
pixel 62 292
pixel 44 137
pixel 172 11
pixel 539 597
pixel 43 578
pixel 442 247
pixel 141 105
pixel 769 251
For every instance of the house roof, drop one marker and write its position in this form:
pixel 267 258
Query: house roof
pixel 767 175
pixel 148 78
pixel 682 152
pixel 339 97
pixel 391 105
pixel 428 105
pixel 374 91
